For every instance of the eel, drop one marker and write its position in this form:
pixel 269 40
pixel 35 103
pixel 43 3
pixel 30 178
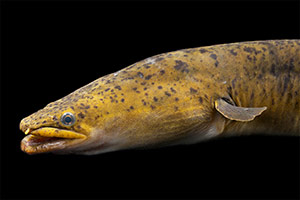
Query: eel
pixel 180 97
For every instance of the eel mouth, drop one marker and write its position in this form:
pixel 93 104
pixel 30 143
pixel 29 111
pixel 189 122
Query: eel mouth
pixel 48 139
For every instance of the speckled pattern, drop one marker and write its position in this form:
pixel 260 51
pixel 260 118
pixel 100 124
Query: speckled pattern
pixel 172 93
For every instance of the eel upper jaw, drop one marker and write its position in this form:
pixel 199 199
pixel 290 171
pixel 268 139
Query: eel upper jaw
pixel 48 139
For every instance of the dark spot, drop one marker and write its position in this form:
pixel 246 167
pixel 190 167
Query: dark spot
pixel 54 118
pixel 213 56
pixel 107 112
pixel 112 90
pixel 152 107
pixel 145 88
pixel 118 87
pixel 87 107
pixel 44 122
pixel 252 95
pixel 264 49
pixel 249 49
pixel 155 99
pixel 205 96
pixel 107 89
pixel 134 88
pixel 167 93
pixel 159 59
pixel 159 87
pixel 249 58
pixel 193 91
pixel 128 78
pixel 291 66
pixel 181 66
pixel 82 104
pixel 140 74
pixel 203 50
pixel 72 107
pixel 216 63
pixel 131 107
pixel 96 107
pixel 81 115
pixel 162 72
pixel 148 77
pixel 146 94
pixel 172 90
pixel 285 83
pixel 143 83
pixel 152 83
pixel 200 99
pixel 273 69
pixel 147 66
pixel 176 99
pixel 122 100
pixel 233 83
pixel 233 53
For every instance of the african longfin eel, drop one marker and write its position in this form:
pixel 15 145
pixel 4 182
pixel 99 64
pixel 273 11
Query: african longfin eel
pixel 180 97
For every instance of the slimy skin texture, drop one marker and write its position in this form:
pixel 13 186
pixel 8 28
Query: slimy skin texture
pixel 181 97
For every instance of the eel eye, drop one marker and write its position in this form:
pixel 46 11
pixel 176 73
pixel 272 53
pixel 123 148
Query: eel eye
pixel 67 119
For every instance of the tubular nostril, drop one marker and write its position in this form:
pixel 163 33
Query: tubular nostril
pixel 27 131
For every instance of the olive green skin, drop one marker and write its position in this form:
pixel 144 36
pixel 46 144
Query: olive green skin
pixel 170 97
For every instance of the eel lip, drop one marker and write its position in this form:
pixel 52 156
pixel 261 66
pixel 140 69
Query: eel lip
pixel 48 139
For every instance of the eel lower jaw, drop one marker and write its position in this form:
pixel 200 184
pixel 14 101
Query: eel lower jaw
pixel 47 139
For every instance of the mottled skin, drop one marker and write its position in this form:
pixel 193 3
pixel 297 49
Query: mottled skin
pixel 171 98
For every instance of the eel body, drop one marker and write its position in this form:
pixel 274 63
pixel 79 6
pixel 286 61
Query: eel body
pixel 180 97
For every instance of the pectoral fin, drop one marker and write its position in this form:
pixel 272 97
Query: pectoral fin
pixel 237 113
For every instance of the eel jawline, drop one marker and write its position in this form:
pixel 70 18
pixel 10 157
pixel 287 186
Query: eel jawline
pixel 49 139
pixel 55 132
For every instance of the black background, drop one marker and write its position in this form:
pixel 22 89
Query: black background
pixel 49 49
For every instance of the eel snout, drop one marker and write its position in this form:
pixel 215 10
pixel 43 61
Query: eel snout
pixel 48 139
